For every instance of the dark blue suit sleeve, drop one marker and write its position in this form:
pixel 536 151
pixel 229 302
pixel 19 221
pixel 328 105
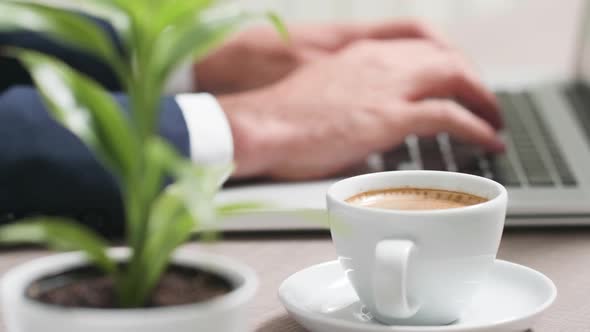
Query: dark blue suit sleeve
pixel 13 73
pixel 46 170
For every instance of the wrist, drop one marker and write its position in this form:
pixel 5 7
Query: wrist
pixel 256 139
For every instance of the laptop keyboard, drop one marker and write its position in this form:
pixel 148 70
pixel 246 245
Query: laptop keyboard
pixel 533 157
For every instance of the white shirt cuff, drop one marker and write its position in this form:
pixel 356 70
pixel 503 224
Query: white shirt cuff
pixel 210 137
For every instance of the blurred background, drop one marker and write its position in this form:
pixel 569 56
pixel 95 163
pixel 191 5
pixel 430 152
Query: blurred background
pixel 512 42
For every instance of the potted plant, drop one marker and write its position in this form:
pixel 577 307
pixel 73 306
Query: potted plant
pixel 148 285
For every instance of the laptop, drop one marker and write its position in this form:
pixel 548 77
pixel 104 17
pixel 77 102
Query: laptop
pixel 546 168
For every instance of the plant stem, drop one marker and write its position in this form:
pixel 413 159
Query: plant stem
pixel 144 105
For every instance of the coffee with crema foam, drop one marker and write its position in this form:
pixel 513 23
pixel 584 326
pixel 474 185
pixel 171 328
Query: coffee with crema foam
pixel 414 199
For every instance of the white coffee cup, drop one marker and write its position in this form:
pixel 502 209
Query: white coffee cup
pixel 417 267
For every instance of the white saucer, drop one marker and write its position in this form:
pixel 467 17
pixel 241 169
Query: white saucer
pixel 321 299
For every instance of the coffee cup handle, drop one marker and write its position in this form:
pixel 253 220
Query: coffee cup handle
pixel 390 279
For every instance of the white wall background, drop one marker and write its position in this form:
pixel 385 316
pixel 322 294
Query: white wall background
pixel 513 42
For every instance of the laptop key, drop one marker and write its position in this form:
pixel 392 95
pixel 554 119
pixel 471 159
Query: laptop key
pixel 503 171
pixel 535 171
pixel 432 158
pixel 466 158
pixel 398 159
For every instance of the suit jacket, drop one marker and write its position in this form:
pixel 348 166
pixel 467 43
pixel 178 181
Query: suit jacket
pixel 45 169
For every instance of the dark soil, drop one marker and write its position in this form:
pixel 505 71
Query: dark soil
pixel 86 287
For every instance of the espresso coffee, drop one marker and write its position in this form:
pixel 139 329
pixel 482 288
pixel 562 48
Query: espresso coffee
pixel 414 199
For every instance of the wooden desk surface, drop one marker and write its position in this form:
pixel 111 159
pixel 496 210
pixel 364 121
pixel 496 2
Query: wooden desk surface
pixel 562 254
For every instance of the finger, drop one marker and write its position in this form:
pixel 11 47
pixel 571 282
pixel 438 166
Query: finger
pixel 431 117
pixel 454 78
pixel 407 29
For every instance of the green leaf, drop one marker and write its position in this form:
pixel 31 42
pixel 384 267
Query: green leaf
pixel 157 159
pixel 193 180
pixel 174 11
pixel 125 6
pixel 279 25
pixel 240 207
pixel 192 39
pixel 170 225
pixel 86 109
pixel 163 153
pixel 61 234
pixel 198 185
pixel 66 27
pixel 160 160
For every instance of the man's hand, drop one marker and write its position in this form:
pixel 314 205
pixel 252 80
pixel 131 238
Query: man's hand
pixel 258 56
pixel 334 112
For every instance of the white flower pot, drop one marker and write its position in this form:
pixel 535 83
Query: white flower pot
pixel 225 313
